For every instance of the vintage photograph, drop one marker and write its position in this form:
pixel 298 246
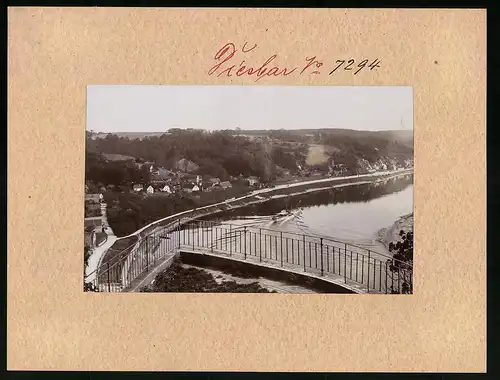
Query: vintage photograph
pixel 249 189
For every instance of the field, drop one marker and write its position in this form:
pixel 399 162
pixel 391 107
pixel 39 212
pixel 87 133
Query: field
pixel 117 157
pixel 316 155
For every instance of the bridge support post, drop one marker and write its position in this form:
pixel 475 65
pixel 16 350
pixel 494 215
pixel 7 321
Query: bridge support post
pixel 281 246
pixel 245 241
pixel 345 263
pixel 147 253
pixel 109 280
pixel 399 279
pixel 260 244
pixel 304 246
pixel 321 246
pixel 212 237
pixel 179 234
pixel 230 240
pixel 386 277
pixel 368 274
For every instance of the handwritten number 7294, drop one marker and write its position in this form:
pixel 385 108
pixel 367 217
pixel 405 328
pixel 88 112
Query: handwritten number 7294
pixel 348 65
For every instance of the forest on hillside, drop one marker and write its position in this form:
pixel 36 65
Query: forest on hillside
pixel 231 153
pixel 219 154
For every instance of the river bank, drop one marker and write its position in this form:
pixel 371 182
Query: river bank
pixel 391 233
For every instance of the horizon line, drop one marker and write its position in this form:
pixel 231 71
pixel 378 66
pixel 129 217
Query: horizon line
pixel 255 130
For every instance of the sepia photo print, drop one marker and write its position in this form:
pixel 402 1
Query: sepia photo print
pixel 249 189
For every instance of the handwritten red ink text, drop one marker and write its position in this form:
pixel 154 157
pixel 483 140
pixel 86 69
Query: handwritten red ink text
pixel 226 65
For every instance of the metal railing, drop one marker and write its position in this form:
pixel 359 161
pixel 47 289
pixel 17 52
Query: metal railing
pixel 353 265
pixel 119 271
pixel 368 270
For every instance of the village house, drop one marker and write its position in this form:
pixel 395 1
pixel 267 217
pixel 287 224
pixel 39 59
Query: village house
pixel 408 163
pixel 150 190
pixel 175 186
pixel 206 186
pixel 316 173
pixel 162 174
pixel 198 180
pixel 338 169
pixel 195 188
pixel 214 181
pixel 92 198
pixel 148 164
pixel 225 185
pixel 253 180
pixel 166 189
pixel 365 166
pixel 189 178
pixel 137 188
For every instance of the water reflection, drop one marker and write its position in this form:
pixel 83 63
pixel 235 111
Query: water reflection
pixel 353 213
pixel 362 193
pixel 358 221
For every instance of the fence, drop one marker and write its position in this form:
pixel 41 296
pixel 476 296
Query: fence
pixel 367 270
pixel 115 274
pixel 356 265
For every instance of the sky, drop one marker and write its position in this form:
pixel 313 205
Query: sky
pixel 151 108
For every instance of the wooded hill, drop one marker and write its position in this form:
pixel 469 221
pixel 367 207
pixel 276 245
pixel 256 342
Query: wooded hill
pixel 260 153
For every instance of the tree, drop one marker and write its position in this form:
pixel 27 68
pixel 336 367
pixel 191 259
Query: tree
pixel 401 265
pixel 283 159
pixel 87 287
pixel 214 169
pixel 86 255
pixel 93 189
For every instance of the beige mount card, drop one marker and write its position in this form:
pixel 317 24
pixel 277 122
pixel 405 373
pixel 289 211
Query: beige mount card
pixel 56 54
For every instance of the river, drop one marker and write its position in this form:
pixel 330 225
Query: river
pixel 353 214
